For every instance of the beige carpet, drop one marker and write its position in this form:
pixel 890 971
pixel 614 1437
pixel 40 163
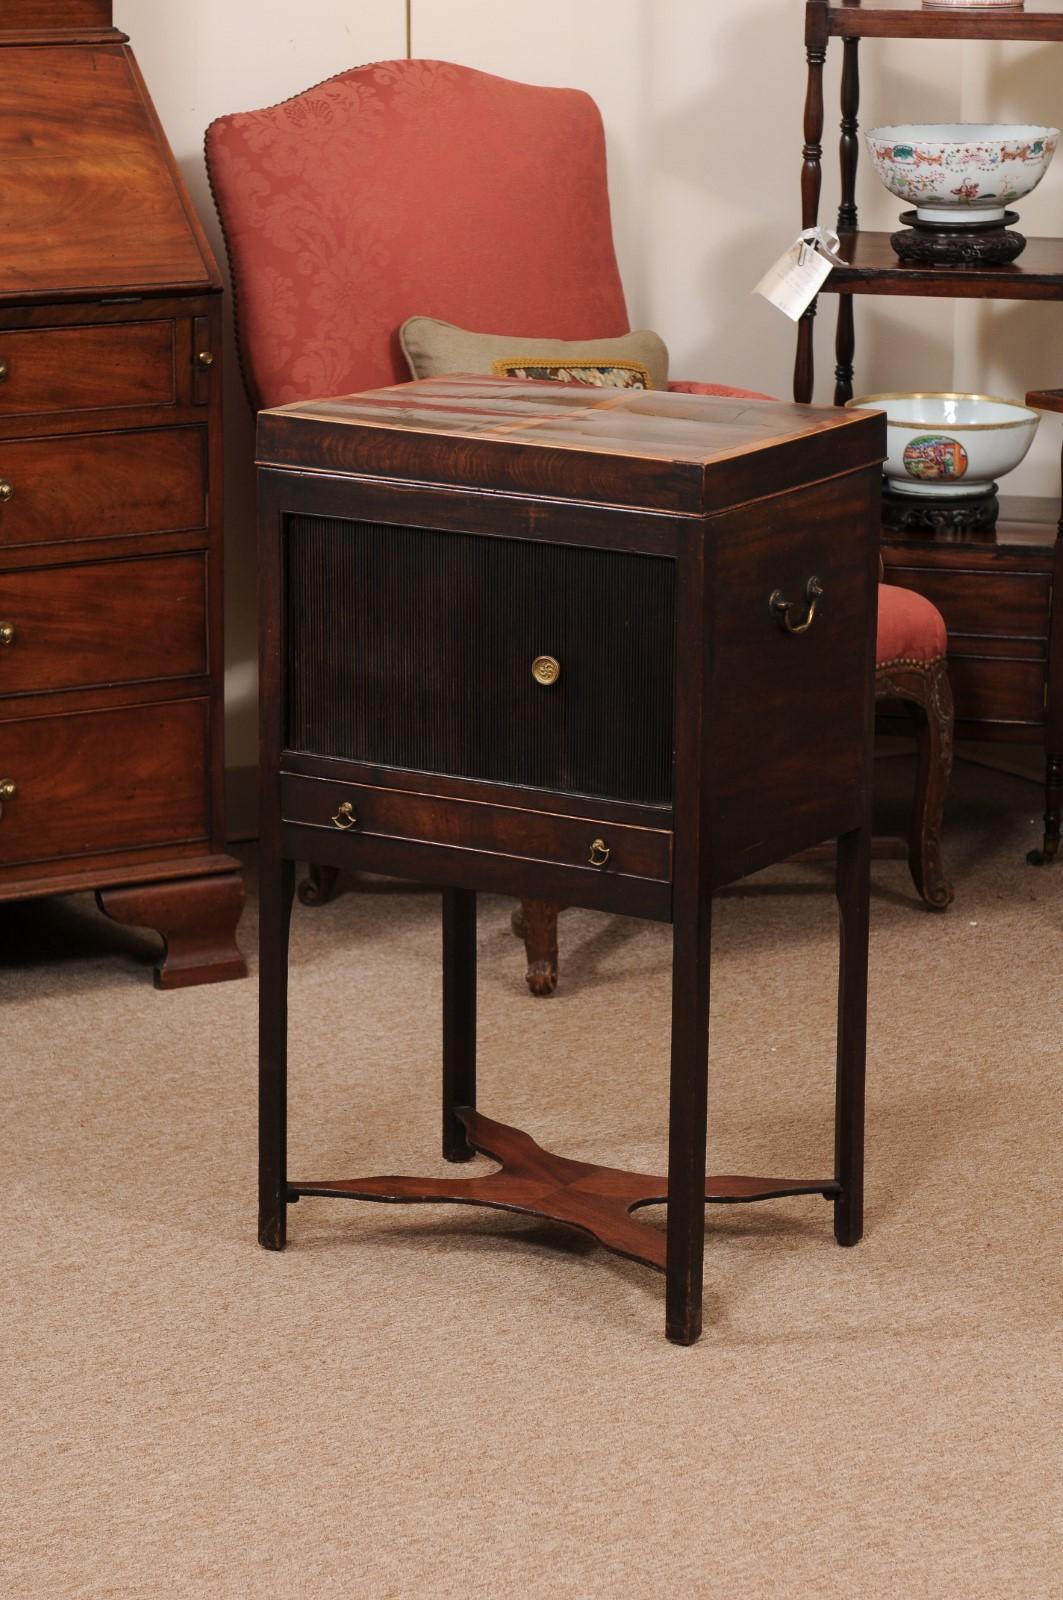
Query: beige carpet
pixel 456 1403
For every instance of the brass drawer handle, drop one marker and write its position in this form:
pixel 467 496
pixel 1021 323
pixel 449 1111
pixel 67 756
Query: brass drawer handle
pixel 8 791
pixel 7 633
pixel 4 370
pixel 600 853
pixel 205 358
pixel 781 609
pixel 346 817
pixel 546 670
pixel 7 491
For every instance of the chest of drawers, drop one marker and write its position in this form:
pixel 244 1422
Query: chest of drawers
pixel 110 500
pixel 613 650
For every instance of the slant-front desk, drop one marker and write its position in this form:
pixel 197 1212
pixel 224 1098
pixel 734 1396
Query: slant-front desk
pixel 602 648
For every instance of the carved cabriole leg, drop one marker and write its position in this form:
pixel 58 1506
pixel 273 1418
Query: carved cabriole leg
pixel 319 885
pixel 853 891
pixel 459 1019
pixel 196 918
pixel 926 688
pixel 535 921
pixel 277 885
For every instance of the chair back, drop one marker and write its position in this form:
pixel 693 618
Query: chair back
pixel 410 188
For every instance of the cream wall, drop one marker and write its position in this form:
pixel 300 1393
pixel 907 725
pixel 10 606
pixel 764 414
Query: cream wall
pixel 702 104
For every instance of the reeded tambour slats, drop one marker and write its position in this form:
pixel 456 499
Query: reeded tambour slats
pixel 412 649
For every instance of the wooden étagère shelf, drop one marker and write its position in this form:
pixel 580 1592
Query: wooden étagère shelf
pixel 1039 20
pixel 997 591
pixel 875 268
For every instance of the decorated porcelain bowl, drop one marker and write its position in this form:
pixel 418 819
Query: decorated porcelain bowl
pixel 951 446
pixel 961 174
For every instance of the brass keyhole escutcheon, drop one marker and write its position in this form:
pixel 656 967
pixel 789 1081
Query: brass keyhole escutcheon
pixel 7 491
pixel 8 791
pixel 7 633
pixel 546 670
pixel 600 853
pixel 346 817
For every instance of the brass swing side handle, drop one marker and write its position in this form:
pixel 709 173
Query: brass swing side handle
pixel 782 609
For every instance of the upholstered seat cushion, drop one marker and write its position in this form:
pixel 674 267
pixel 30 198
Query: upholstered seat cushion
pixel 685 387
pixel 910 629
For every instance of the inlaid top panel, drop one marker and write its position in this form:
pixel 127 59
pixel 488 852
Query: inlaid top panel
pixel 637 437
pixel 91 201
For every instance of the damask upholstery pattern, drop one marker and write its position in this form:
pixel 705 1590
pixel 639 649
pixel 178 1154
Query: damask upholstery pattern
pixel 403 187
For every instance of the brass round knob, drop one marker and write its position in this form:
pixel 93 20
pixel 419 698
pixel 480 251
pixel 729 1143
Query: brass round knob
pixel 8 789
pixel 4 369
pixel 600 853
pixel 7 633
pixel 206 358
pixel 546 670
pixel 346 817
pixel 7 490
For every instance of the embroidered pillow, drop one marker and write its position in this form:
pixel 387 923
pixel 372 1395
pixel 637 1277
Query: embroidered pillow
pixel 634 361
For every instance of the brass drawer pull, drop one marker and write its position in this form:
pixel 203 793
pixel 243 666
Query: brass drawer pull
pixel 546 670
pixel 8 791
pixel 781 609
pixel 600 853
pixel 7 491
pixel 7 633
pixel 346 817
pixel 4 370
pixel 205 358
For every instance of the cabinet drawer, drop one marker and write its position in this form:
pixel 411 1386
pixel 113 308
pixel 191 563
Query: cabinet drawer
pixel 112 622
pixel 413 649
pixel 470 825
pixel 998 604
pixel 104 485
pixel 99 781
pixel 996 690
pixel 46 370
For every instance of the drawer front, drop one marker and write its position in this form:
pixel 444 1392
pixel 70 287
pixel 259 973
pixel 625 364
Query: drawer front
pixel 997 690
pixel 99 781
pixel 112 622
pixel 572 841
pixel 1013 605
pixel 45 370
pixel 415 649
pixel 106 485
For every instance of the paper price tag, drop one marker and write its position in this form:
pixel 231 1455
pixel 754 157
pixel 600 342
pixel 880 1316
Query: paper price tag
pixel 794 281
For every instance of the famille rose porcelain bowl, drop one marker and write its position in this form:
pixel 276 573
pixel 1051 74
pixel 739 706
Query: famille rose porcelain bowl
pixel 951 446
pixel 961 174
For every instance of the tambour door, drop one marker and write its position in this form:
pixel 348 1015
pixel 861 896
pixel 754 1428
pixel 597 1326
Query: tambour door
pixel 505 660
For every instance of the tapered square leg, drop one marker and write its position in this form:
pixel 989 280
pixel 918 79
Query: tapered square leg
pixel 854 899
pixel 277 889
pixel 687 1127
pixel 459 1019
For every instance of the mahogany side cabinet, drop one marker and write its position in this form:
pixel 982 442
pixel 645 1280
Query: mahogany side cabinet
pixel 605 648
pixel 111 766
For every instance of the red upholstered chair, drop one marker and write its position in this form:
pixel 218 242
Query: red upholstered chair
pixel 415 188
